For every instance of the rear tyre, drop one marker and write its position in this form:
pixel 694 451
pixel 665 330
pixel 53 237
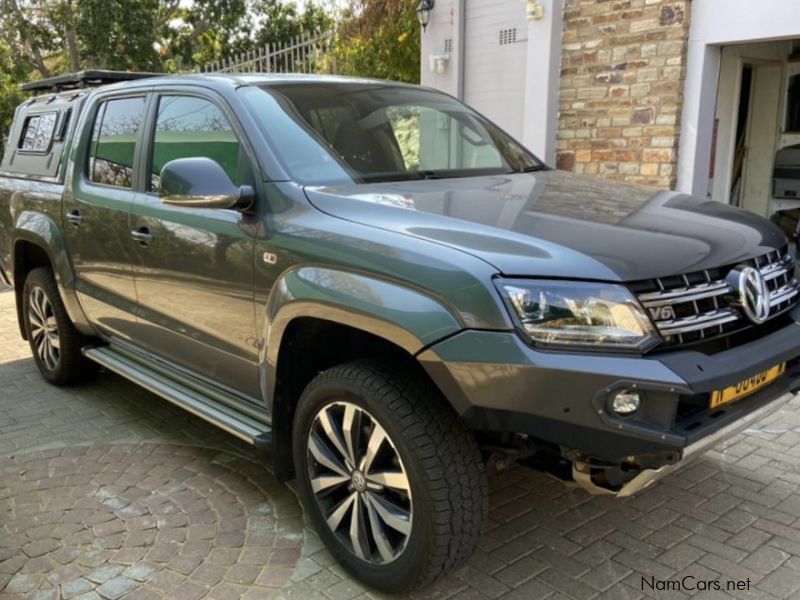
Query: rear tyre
pixel 388 474
pixel 54 341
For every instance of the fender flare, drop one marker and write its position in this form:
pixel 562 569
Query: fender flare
pixel 409 318
pixel 40 230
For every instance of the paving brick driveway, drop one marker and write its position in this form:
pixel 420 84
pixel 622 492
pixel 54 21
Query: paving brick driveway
pixel 109 492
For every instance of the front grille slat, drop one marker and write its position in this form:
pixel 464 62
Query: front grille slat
pixel 698 322
pixel 686 294
pixel 782 294
pixel 686 312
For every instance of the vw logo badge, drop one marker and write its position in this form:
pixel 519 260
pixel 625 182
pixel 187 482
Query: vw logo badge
pixel 753 293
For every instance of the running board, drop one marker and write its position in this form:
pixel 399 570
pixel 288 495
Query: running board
pixel 234 422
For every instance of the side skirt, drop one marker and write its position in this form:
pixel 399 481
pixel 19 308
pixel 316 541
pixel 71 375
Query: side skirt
pixel 250 427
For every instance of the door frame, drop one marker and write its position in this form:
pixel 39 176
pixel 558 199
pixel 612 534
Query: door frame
pixel 728 97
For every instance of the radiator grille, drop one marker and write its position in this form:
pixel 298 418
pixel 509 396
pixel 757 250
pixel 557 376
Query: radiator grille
pixel 702 305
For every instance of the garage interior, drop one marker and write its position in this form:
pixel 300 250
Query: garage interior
pixel 756 149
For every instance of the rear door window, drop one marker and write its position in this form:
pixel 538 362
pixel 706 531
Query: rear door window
pixel 113 146
pixel 37 132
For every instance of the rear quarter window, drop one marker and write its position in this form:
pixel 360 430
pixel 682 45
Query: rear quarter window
pixel 37 141
pixel 37 132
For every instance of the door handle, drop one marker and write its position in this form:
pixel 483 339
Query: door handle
pixel 142 235
pixel 75 218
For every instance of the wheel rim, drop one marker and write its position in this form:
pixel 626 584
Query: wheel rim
pixel 44 329
pixel 359 482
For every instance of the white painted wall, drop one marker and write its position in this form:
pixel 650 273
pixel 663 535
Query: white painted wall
pixel 715 23
pixel 444 25
pixel 515 85
pixel 543 81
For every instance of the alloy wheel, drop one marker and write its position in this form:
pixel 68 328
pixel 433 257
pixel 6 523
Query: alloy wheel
pixel 359 482
pixel 44 328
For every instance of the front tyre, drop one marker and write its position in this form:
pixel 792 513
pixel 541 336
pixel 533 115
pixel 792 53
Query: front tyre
pixel 54 341
pixel 389 476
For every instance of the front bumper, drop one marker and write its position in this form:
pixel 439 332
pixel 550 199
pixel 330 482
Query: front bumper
pixel 582 471
pixel 500 384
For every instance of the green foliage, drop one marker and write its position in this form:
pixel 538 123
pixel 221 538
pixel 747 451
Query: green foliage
pixel 10 94
pixel 41 38
pixel 282 21
pixel 117 34
pixel 380 38
pixel 209 29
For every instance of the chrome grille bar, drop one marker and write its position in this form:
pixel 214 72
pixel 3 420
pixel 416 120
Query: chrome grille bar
pixel 685 294
pixel 709 308
pixel 698 322
pixel 784 293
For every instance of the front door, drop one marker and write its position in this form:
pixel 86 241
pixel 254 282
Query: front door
pixel 194 267
pixel 97 214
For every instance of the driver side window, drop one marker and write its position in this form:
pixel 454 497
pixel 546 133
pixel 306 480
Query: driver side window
pixel 189 127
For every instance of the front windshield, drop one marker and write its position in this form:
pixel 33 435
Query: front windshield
pixel 343 132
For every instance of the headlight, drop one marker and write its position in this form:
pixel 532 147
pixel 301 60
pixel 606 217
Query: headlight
pixel 565 313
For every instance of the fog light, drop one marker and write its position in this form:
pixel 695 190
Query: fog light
pixel 626 402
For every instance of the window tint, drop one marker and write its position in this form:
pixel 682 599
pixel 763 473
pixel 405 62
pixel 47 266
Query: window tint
pixel 367 133
pixel 116 129
pixel 38 132
pixel 189 127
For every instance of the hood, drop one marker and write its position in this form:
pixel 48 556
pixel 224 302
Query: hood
pixel 558 224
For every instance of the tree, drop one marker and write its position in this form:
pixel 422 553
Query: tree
pixel 114 34
pixel 41 38
pixel 28 32
pixel 380 38
pixel 10 94
pixel 209 29
pixel 281 22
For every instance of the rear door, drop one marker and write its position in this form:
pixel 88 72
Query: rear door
pixel 97 211
pixel 194 269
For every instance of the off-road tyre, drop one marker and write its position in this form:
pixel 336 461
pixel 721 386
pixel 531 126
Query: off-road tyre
pixel 441 458
pixel 71 366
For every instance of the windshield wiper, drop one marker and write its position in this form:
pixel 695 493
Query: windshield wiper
pixel 529 169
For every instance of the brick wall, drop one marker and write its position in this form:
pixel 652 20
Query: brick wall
pixel 622 73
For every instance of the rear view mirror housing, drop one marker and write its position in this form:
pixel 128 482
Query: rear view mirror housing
pixel 201 182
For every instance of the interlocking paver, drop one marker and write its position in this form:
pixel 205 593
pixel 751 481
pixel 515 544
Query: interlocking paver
pixel 105 485
pixel 783 583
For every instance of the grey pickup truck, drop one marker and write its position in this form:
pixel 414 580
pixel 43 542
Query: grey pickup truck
pixel 388 294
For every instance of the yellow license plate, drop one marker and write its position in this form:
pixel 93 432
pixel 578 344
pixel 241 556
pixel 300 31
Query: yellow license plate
pixel 746 387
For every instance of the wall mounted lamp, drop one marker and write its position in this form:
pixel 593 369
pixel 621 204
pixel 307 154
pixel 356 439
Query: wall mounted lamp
pixel 424 12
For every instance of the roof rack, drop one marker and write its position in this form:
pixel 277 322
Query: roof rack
pixel 83 79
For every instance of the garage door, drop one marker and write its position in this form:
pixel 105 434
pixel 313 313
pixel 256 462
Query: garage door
pixel 495 43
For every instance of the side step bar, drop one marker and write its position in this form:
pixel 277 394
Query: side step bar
pixel 243 426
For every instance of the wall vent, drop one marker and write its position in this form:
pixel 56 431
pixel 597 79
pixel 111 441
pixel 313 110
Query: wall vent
pixel 508 36
pixel 448 46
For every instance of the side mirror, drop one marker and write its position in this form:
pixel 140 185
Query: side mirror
pixel 201 183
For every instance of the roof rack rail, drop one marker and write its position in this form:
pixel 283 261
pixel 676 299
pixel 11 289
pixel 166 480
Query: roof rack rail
pixel 83 79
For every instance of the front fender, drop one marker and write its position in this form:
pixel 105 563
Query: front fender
pixel 407 317
pixel 39 229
